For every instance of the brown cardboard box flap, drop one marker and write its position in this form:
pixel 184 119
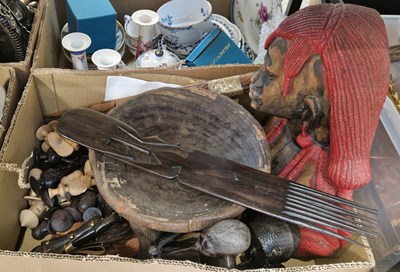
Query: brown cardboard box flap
pixel 9 81
pixel 21 262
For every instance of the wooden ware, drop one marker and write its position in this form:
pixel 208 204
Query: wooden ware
pixel 214 175
pixel 193 119
pixel 59 144
pixel 30 217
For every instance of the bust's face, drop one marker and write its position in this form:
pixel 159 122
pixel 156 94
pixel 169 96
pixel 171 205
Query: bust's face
pixel 266 90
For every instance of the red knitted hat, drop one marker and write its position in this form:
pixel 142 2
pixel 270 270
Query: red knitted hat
pixel 352 43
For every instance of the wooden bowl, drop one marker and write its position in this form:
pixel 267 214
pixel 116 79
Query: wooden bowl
pixel 195 119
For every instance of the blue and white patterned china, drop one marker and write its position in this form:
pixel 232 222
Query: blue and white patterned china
pixel 158 58
pixel 233 32
pixel 185 22
pixel 181 50
pixel 77 43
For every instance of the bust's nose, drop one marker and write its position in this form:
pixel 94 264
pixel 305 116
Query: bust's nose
pixel 257 83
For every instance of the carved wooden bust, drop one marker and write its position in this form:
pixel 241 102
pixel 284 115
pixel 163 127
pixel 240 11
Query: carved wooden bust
pixel 325 77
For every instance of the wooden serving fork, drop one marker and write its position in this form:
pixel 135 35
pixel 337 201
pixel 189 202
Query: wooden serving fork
pixel 222 178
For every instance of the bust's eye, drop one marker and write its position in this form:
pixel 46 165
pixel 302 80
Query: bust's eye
pixel 270 75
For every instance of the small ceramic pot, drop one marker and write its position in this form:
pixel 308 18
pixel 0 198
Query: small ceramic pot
pixel 184 22
pixel 145 20
pixel 77 43
pixel 107 59
pixel 157 58
pixel 132 34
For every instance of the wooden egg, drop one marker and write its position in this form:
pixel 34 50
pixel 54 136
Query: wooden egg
pixel 227 237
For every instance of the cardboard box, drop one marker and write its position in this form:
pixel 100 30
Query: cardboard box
pixel 22 68
pixel 216 48
pixel 51 90
pixel 56 89
pixel 98 23
pixel 8 79
pixel 49 52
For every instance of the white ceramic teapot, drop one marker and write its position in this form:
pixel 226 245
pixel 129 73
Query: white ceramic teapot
pixel 158 58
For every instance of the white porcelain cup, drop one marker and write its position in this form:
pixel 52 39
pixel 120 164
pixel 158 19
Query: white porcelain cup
pixel 107 59
pixel 141 29
pixel 185 22
pixel 77 43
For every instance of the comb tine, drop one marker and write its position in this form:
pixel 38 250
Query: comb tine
pixel 329 207
pixel 134 151
pixel 169 174
pixel 155 146
pixel 329 213
pixel 330 221
pixel 326 202
pixel 314 219
pixel 311 199
pixel 333 198
pixel 315 222
pixel 302 221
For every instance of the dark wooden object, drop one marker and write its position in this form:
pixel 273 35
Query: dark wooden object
pixel 193 120
pixel 208 173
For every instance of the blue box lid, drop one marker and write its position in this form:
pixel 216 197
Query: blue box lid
pixel 96 18
pixel 86 9
pixel 216 48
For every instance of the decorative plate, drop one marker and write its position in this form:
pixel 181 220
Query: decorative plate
pixel 249 15
pixel 234 33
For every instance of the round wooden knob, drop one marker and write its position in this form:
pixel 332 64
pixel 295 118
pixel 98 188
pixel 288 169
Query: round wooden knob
pixel 87 200
pixel 77 215
pixel 74 175
pixel 43 131
pixel 59 144
pixel 78 186
pixel 74 145
pixel 36 173
pixel 61 220
pixel 41 230
pixel 87 169
pixel 28 219
pixel 45 146
pixel 54 125
pixel 61 190
pixel 90 213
